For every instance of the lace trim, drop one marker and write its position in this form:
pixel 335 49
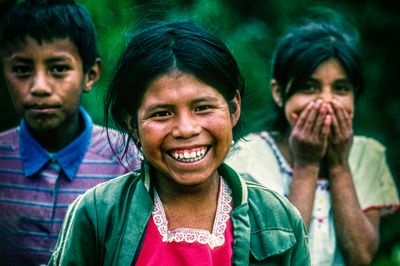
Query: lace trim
pixel 188 235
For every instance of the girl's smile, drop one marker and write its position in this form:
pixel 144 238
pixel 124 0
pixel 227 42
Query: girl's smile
pixel 189 155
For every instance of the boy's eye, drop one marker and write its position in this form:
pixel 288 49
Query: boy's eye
pixel 22 70
pixel 59 69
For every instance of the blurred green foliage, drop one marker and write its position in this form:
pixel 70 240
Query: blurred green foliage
pixel 251 30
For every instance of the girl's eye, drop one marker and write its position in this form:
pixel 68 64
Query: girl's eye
pixel 203 108
pixel 309 87
pixel 343 88
pixel 161 114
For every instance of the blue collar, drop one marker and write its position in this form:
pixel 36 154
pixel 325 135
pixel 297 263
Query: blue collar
pixel 34 156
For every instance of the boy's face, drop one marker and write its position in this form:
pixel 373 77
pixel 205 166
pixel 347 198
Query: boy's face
pixel 45 82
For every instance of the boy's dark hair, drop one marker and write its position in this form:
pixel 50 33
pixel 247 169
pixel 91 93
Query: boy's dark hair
pixel 301 51
pixel 160 47
pixel 46 20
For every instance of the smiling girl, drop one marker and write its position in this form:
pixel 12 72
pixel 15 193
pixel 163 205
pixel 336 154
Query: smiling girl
pixel 176 92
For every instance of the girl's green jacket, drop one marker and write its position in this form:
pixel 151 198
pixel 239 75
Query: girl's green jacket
pixel 105 226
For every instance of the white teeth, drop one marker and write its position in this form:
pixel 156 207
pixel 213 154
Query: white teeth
pixel 189 156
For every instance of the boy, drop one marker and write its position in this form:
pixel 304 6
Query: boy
pixel 49 58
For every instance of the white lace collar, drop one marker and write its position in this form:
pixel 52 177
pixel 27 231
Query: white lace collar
pixel 188 235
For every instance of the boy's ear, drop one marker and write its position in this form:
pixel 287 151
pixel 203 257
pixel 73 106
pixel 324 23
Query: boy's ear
pixel 276 93
pixel 92 76
pixel 235 109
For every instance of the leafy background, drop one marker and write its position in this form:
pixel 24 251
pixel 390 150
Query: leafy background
pixel 251 29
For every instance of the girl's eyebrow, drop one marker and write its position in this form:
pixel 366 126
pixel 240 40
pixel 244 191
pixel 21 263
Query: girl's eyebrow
pixel 156 106
pixel 194 101
pixel 205 99
pixel 346 80
pixel 311 79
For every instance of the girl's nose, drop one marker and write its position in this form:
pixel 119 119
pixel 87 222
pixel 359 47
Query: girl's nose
pixel 326 95
pixel 186 126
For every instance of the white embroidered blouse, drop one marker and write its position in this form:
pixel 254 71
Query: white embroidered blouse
pixel 258 159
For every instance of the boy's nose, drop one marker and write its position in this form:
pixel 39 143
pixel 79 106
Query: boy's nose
pixel 40 85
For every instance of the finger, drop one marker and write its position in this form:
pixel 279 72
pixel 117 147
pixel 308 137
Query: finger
pixel 304 116
pixel 326 128
pixel 319 121
pixel 343 118
pixel 310 120
pixel 334 127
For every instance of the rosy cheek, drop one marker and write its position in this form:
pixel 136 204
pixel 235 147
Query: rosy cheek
pixel 293 118
pixel 347 104
pixel 349 109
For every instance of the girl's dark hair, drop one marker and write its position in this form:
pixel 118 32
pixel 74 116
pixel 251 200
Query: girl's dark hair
pixel 158 48
pixel 301 51
pixel 46 20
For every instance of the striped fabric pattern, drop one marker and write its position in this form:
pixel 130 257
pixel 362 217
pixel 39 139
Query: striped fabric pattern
pixel 32 208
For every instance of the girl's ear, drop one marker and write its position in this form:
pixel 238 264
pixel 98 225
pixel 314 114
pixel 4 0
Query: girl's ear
pixel 128 122
pixel 276 93
pixel 235 109
pixel 92 76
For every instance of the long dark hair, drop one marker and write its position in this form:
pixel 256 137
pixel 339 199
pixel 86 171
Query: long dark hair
pixel 301 51
pixel 157 48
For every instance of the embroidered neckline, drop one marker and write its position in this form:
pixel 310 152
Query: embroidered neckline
pixel 322 184
pixel 283 164
pixel 189 235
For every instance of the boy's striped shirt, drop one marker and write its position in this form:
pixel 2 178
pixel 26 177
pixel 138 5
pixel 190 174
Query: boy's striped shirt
pixel 32 208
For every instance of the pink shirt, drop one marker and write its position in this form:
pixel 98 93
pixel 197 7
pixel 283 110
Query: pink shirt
pixel 184 246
